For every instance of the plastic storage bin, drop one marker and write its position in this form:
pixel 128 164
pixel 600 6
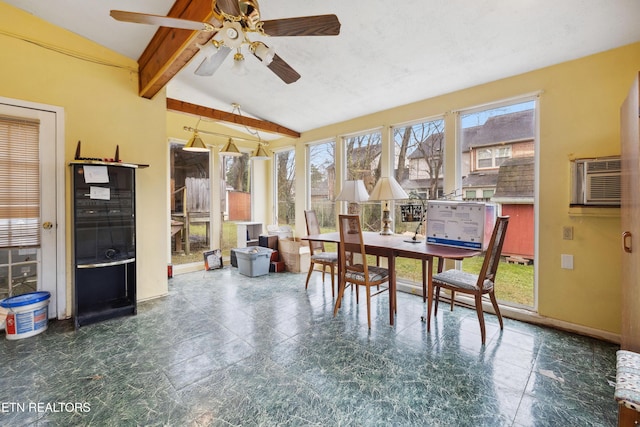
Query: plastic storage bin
pixel 253 261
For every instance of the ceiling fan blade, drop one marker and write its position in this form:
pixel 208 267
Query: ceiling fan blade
pixel 162 21
pixel 320 25
pixel 230 7
pixel 211 63
pixel 283 70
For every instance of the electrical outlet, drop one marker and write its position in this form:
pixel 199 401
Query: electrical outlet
pixel 566 261
pixel 567 232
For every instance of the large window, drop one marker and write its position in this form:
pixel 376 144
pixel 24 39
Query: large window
pixel 362 162
pixel 322 183
pixel 497 148
pixel 285 187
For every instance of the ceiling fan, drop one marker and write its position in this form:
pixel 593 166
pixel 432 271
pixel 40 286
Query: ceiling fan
pixel 232 23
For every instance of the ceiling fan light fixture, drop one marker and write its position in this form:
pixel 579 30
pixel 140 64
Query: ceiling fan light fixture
pixel 195 144
pixel 263 52
pixel 260 153
pixel 239 68
pixel 230 149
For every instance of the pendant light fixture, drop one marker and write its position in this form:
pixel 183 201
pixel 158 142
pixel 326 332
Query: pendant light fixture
pixel 260 153
pixel 195 144
pixel 230 149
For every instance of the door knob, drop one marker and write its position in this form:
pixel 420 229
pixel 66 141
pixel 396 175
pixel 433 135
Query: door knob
pixel 47 225
pixel 626 241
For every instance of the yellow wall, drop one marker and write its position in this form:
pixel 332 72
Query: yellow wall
pixel 579 117
pixel 102 109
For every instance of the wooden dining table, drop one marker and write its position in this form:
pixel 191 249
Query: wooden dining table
pixel 392 246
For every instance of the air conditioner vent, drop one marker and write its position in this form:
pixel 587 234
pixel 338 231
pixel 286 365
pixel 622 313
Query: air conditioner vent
pixel 604 188
pixel 596 166
pixel 596 181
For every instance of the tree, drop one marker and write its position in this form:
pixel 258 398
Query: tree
pixel 424 143
pixel 286 188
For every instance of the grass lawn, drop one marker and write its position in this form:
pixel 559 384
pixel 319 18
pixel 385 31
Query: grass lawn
pixel 514 282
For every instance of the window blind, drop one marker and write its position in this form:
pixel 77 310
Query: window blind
pixel 19 182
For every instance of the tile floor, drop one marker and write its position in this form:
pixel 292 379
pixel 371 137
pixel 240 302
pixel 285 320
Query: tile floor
pixel 226 350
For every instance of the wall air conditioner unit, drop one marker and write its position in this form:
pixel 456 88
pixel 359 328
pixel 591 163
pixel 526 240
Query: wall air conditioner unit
pixel 596 181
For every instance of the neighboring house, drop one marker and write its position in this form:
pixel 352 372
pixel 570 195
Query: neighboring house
pixel 497 166
pixel 486 147
pixel 425 174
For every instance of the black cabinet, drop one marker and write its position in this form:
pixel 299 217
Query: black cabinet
pixel 104 240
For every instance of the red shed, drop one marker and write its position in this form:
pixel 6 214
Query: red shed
pixel 514 192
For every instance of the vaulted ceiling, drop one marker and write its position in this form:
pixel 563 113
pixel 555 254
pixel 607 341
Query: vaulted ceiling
pixel 387 54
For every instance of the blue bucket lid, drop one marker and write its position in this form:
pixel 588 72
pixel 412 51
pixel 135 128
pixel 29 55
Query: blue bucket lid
pixel 25 299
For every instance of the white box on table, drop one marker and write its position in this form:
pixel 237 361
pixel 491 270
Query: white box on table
pixel 460 224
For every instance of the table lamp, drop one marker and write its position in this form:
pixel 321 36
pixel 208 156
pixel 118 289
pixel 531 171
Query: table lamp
pixel 387 188
pixel 353 192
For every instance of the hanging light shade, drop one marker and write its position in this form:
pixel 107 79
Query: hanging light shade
pixel 230 149
pixel 260 153
pixel 195 144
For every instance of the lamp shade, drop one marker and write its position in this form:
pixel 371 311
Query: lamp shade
pixel 230 149
pixel 353 191
pixel 387 188
pixel 260 153
pixel 195 144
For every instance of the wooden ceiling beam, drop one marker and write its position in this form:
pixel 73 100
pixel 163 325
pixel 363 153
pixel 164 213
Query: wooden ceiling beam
pixel 171 49
pixel 200 111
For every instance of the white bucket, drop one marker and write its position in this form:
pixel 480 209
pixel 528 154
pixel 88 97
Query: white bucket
pixel 28 314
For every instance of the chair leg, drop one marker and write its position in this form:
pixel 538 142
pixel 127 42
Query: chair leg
pixel 453 297
pixel 306 285
pixel 340 294
pixel 492 296
pixel 333 283
pixel 436 298
pixel 483 333
pixel 368 306
pixel 324 268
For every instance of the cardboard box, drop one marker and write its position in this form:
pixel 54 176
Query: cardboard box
pixel 295 254
pixel 266 241
pixel 277 267
pixel 460 224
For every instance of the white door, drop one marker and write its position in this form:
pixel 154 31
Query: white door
pixel 40 266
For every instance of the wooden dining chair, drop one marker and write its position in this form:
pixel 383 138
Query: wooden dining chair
pixel 318 253
pixel 353 263
pixel 476 284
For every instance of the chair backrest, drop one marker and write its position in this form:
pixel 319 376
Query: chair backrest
pixel 313 227
pixel 352 243
pixel 492 256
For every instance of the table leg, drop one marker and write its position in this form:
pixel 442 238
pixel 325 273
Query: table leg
pixel 391 261
pixel 429 291
pixel 341 284
pixel 424 280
